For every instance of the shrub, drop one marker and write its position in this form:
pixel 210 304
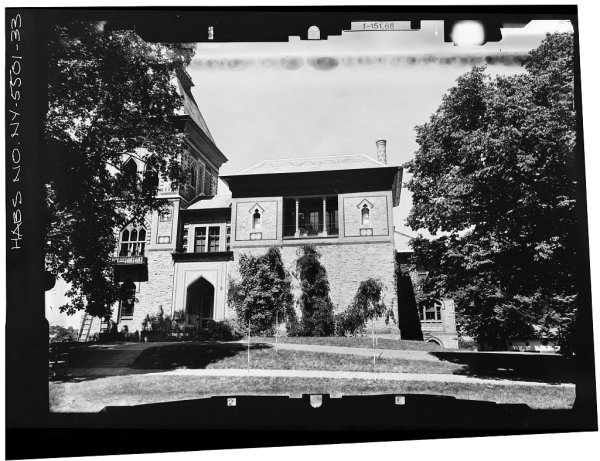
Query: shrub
pixel 315 303
pixel 160 323
pixel 263 293
pixel 60 334
pixel 227 330
pixel 366 305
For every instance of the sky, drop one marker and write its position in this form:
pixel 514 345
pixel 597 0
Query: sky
pixel 337 96
pixel 331 97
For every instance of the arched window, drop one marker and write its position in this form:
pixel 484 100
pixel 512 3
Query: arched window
pixel 314 33
pixel 132 241
pixel 365 216
pixel 127 299
pixel 256 219
pixel 130 171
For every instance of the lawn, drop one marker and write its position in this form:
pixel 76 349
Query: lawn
pixel 93 395
pixel 359 341
pixel 206 355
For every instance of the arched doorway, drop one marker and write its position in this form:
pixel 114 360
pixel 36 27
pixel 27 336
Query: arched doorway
pixel 200 302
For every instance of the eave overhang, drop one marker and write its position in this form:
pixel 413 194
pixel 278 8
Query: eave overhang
pixel 317 182
pixel 200 140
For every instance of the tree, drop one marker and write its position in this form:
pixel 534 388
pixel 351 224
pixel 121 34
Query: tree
pixel 60 334
pixel 109 93
pixel 315 304
pixel 263 293
pixel 366 305
pixel 494 175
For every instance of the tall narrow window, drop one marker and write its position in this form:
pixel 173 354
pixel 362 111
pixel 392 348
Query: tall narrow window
pixel 132 241
pixel 213 239
pixel 184 239
pixel 130 173
pixel 193 179
pixel 127 299
pixel 200 240
pixel 365 216
pixel 256 219
pixel 228 239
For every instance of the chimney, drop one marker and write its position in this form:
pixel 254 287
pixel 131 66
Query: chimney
pixel 381 152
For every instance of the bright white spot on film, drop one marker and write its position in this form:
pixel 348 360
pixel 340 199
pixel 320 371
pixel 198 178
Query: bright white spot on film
pixel 468 33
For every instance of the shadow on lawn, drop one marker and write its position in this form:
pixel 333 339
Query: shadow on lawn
pixel 118 361
pixel 190 355
pixel 553 369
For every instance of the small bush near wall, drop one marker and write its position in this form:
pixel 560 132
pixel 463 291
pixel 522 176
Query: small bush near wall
pixel 263 295
pixel 367 305
pixel 227 330
pixel 315 303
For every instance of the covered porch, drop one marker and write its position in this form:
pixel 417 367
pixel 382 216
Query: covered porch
pixel 309 217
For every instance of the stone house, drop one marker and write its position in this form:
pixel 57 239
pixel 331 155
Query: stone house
pixel 181 259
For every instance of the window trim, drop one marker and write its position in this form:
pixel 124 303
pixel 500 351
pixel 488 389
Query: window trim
pixel 140 243
pixel 191 237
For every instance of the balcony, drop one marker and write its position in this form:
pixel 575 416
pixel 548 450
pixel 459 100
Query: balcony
pixel 129 260
pixel 310 217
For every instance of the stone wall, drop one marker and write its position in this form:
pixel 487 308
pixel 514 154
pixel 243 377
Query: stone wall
pixel 378 207
pixel 347 266
pixel 156 292
pixel 269 211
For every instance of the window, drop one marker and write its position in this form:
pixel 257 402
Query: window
pixel 127 299
pixel 132 241
pixel 207 239
pixel 200 240
pixel 256 219
pixel 431 312
pixel 228 238
pixel 165 215
pixel 193 177
pixel 213 185
pixel 365 213
pixel 207 181
pixel 184 239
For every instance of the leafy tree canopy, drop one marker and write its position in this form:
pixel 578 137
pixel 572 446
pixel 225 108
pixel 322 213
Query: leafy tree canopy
pixel 263 294
pixel 367 305
pixel 493 181
pixel 315 304
pixel 109 94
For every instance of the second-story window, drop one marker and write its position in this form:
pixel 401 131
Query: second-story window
pixel 184 239
pixel 213 239
pixel 256 219
pixel 207 239
pixel 228 239
pixel 365 216
pixel 132 241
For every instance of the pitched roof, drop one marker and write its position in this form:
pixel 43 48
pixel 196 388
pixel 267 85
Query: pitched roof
pixel 190 107
pixel 297 165
pixel 218 201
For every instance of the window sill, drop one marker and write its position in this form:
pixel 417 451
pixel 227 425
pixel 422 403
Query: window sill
pixel 208 256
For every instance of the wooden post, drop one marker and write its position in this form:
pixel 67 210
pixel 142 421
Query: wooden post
pixel 248 345
pixel 324 216
pixel 297 233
